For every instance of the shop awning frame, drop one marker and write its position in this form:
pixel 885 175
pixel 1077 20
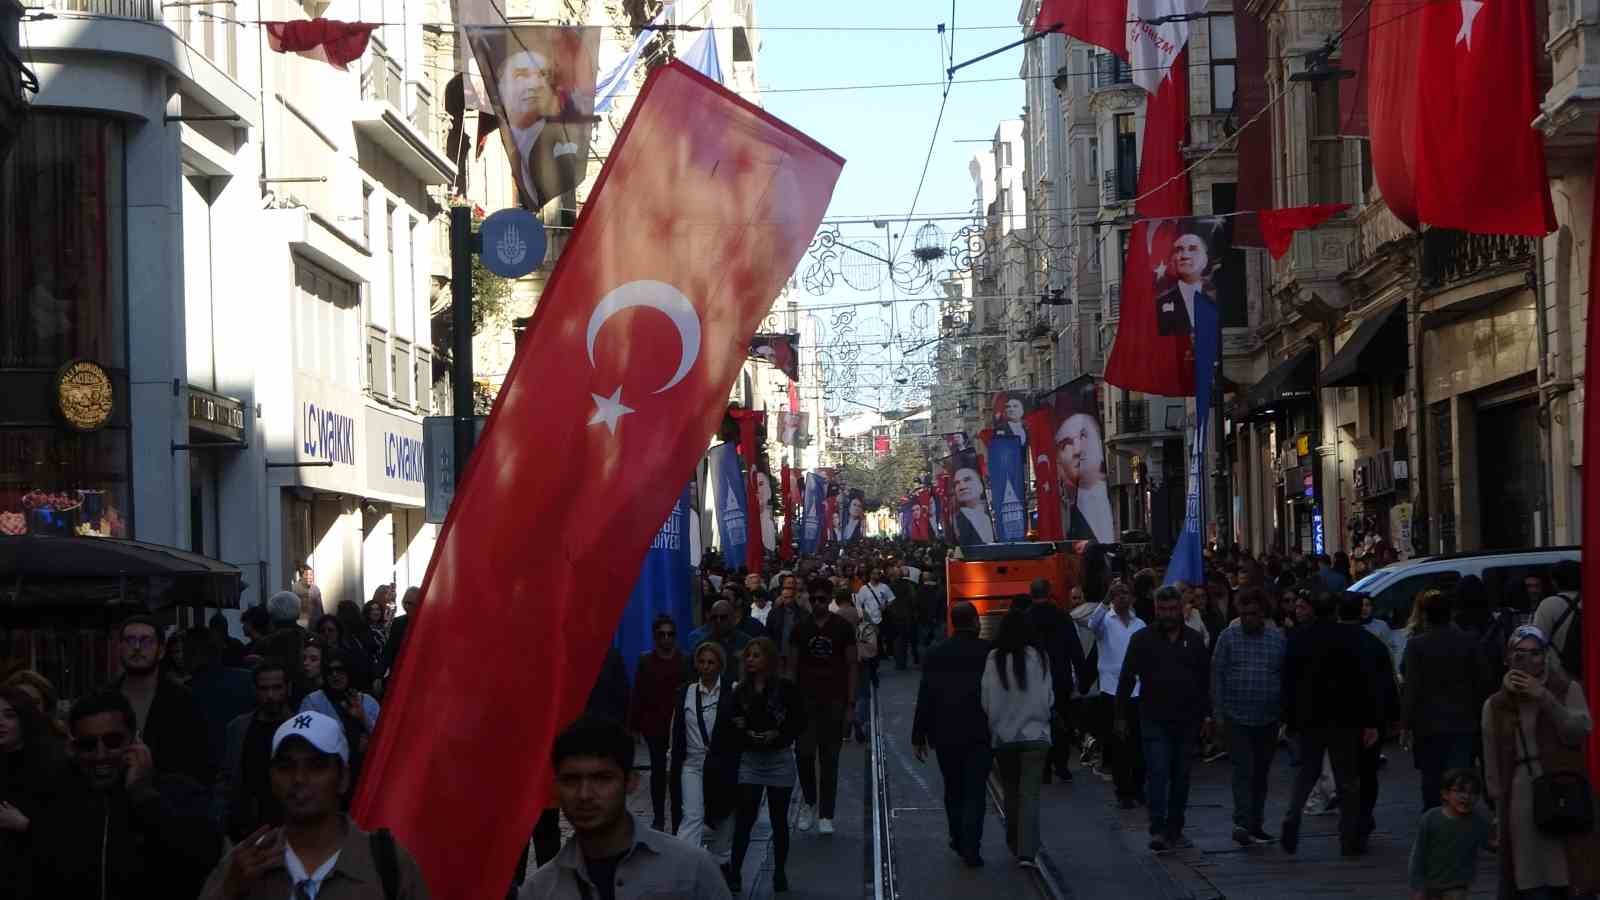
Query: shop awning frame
pixel 1292 380
pixel 65 572
pixel 1378 347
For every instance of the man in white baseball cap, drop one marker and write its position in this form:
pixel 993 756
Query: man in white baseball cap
pixel 319 853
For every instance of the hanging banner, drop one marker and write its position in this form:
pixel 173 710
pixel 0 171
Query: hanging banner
pixel 1010 412
pixel 922 515
pixel 1078 461
pixel 782 350
pixel 728 489
pixel 1007 486
pixel 1188 558
pixel 662 588
pixel 853 517
pixel 811 518
pixel 539 80
pixel 905 517
pixel 969 512
pixel 1046 492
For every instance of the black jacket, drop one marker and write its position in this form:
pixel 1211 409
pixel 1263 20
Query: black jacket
pixel 175 730
pixel 1330 677
pixel 1446 682
pixel 154 841
pixel 609 697
pixel 26 776
pixel 721 771
pixel 395 644
pixel 1385 686
pixel 1174 676
pixel 1058 637
pixel 949 700
pixel 779 709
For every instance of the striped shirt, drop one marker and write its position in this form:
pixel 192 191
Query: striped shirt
pixel 1247 675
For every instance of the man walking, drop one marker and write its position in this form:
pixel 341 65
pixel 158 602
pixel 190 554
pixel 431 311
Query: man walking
pixel 167 719
pixel 247 760
pixel 1446 684
pixel 1170 664
pixel 1113 626
pixel 1247 689
pixel 1330 702
pixel 950 716
pixel 905 616
pixel 825 671
pixel 1058 638
pixel 722 627
pixel 1378 663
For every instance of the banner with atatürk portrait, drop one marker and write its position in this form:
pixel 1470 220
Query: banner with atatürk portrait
pixel 539 80
pixel 782 350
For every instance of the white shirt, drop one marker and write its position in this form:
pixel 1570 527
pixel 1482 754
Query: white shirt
pixel 1113 635
pixel 760 613
pixel 871 600
pixel 980 523
pixel 1187 292
pixel 298 876
pixel 694 743
pixel 1094 504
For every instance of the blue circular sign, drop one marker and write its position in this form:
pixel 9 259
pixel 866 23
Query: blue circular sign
pixel 512 243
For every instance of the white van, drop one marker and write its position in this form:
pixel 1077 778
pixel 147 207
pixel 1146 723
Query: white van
pixel 1393 587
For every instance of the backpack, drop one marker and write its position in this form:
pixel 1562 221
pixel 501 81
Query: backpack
pixel 1571 652
pixel 387 860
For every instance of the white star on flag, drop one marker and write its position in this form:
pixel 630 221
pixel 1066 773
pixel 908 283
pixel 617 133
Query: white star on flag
pixel 609 409
pixel 1161 270
pixel 1469 14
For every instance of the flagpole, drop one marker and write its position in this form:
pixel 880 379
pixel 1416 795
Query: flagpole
pixel 461 337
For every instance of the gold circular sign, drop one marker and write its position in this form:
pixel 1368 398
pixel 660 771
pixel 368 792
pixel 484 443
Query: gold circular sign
pixel 84 395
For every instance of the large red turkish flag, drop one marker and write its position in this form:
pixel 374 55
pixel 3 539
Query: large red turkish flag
pixel 1142 358
pixel 1042 425
pixel 1591 468
pixel 1103 23
pixel 698 218
pixel 1391 75
pixel 1480 161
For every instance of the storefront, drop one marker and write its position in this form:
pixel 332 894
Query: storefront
pixel 1280 488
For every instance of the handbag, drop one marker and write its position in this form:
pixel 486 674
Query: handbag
pixel 1563 802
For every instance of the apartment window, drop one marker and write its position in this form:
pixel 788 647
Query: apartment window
pixel 366 216
pixel 423 373
pixel 1230 279
pixel 1224 64
pixel 411 286
pixel 1327 146
pixel 325 323
pixel 378 368
pixel 388 239
pixel 741 46
pixel 400 367
pixel 1094 159
pixel 1127 156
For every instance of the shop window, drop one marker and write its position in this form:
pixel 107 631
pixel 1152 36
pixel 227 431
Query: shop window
pixel 58 482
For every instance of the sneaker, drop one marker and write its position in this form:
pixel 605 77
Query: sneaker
pixel 808 817
pixel 1291 836
pixel 825 826
pixel 1262 836
pixel 1026 862
pixel 1328 809
pixel 1158 843
pixel 1243 837
pixel 1215 754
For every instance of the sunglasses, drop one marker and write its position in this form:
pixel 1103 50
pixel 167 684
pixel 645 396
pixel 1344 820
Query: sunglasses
pixel 113 742
pixel 666 632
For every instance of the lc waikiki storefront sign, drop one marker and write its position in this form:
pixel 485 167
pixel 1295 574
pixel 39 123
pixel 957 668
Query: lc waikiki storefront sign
pixel 327 434
pixel 347 444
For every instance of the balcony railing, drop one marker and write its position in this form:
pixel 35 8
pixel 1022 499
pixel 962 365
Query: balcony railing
pixel 1449 255
pixel 381 78
pixel 1376 226
pixel 1113 302
pixel 422 108
pixel 1109 71
pixel 124 9
pixel 1115 188
pixel 1133 416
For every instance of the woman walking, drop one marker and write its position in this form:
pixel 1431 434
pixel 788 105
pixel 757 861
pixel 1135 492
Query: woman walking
pixel 705 758
pixel 1537 723
pixel 1018 699
pixel 768 716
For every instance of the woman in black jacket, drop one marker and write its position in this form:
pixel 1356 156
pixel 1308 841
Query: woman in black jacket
pixel 30 760
pixel 767 716
pixel 704 761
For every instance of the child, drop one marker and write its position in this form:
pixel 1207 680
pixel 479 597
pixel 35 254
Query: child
pixel 1448 840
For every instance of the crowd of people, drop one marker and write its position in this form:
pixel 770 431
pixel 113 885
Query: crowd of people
pixel 222 768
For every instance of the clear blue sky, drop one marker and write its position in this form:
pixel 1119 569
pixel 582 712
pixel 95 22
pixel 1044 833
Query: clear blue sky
pixel 884 133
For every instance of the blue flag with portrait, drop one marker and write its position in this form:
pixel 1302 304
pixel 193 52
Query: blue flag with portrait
pixel 1188 559
pixel 1007 489
pixel 811 518
pixel 728 493
pixel 663 587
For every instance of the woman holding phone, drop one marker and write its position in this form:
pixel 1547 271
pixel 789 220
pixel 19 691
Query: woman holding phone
pixel 1537 723
pixel 768 716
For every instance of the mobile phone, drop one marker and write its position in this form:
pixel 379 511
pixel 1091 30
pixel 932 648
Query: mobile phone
pixel 1520 664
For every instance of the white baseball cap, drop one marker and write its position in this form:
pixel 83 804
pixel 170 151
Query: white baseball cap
pixel 323 733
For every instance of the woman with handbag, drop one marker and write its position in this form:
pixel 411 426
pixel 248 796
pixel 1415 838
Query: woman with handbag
pixel 1534 731
pixel 705 758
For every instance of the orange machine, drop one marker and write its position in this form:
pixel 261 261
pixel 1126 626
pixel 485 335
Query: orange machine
pixel 989 575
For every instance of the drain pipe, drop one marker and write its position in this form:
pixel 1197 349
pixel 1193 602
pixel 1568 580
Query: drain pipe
pixel 1542 376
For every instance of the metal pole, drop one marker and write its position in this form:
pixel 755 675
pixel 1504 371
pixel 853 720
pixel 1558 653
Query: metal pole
pixel 1225 500
pixel 461 327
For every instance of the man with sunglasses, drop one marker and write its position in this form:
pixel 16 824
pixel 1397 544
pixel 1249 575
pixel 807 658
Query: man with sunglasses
pixel 115 825
pixel 337 700
pixel 318 852
pixel 722 627
pixel 167 718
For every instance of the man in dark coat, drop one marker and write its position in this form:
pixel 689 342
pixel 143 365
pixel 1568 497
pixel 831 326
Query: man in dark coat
pixel 116 826
pixel 1058 638
pixel 1447 680
pixel 166 717
pixel 950 716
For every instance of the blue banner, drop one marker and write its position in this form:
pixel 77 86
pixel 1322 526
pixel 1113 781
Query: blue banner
pixel 663 588
pixel 1007 489
pixel 1188 560
pixel 728 492
pixel 811 517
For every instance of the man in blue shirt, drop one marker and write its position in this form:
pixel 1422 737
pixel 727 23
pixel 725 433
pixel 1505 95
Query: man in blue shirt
pixel 1247 691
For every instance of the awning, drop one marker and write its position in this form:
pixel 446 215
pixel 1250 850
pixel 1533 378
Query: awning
pixel 1292 379
pixel 1377 348
pixel 41 570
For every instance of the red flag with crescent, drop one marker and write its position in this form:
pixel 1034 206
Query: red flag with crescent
pixel 701 213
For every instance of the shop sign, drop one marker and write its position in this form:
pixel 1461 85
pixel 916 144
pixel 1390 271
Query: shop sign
pixel 84 395
pixel 215 415
pixel 328 428
pixel 395 457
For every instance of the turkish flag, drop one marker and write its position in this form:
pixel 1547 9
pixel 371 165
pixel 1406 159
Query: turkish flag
pixel 1480 161
pixel 1392 74
pixel 1591 466
pixel 1046 489
pixel 336 43
pixel 1142 358
pixel 754 547
pixel 1279 225
pixel 1103 23
pixel 702 210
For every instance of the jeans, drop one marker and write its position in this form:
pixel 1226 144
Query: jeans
pixel 820 744
pixel 694 827
pixel 1021 770
pixel 658 780
pixel 1168 753
pixel 1126 753
pixel 777 812
pixel 1343 746
pixel 1436 754
pixel 965 768
pixel 1250 749
pixel 901 640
